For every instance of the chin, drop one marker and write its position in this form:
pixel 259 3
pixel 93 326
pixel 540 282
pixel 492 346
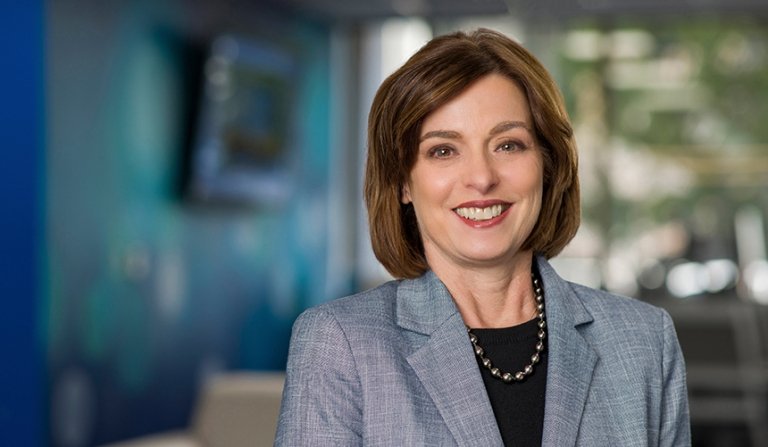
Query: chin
pixel 488 258
pixel 493 255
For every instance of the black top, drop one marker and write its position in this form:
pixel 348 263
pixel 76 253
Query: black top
pixel 518 406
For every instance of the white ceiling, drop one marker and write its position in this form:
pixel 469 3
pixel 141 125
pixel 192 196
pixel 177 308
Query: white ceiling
pixel 537 9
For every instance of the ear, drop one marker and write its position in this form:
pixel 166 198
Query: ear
pixel 405 194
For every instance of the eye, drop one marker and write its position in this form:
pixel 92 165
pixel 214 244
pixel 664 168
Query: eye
pixel 440 152
pixel 510 146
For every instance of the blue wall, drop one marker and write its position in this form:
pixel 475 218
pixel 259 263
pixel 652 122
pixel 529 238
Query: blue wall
pixel 147 293
pixel 21 136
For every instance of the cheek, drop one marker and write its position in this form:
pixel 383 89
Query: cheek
pixel 536 175
pixel 537 189
pixel 526 179
pixel 427 187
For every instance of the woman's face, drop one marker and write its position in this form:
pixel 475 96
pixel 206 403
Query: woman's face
pixel 476 185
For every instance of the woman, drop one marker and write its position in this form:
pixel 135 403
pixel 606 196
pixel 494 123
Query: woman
pixel 470 187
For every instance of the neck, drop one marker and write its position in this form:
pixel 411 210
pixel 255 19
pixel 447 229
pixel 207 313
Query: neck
pixel 491 296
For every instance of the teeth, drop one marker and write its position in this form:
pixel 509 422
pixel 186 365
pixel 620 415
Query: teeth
pixel 480 213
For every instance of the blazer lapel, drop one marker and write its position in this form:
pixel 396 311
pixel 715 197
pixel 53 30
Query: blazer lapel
pixel 571 360
pixel 444 362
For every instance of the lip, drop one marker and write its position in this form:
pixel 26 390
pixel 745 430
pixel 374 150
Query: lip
pixel 483 204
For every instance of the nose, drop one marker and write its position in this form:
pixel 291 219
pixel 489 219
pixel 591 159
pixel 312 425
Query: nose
pixel 480 173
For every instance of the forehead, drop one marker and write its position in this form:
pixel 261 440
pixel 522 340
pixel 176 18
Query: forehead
pixel 481 106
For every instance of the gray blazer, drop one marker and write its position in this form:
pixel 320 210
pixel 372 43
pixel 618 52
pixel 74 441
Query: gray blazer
pixel 393 366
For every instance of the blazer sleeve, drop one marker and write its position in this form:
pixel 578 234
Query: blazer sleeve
pixel 322 395
pixel 675 418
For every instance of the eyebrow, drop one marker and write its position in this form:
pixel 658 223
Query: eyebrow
pixel 448 134
pixel 508 125
pixel 497 129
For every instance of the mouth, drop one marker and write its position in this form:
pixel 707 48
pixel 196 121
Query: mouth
pixel 479 214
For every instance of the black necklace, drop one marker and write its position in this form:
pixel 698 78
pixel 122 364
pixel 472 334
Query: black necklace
pixel 528 370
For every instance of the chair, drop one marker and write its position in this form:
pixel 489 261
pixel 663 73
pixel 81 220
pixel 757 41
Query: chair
pixel 234 410
pixel 726 365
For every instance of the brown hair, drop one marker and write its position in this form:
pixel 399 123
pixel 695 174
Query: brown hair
pixel 438 72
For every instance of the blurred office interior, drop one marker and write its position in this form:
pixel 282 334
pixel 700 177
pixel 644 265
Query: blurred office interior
pixel 199 179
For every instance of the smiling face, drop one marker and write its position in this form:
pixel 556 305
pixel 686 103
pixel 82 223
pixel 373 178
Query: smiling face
pixel 476 185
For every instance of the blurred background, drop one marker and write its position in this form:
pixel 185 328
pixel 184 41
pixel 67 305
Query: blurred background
pixel 187 176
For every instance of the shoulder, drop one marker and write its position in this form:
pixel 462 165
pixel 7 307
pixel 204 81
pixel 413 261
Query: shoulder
pixel 604 311
pixel 621 324
pixel 377 301
pixel 609 307
pixel 371 308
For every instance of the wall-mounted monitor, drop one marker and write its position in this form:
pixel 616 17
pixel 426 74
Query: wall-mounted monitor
pixel 241 144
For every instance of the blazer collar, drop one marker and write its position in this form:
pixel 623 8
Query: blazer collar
pixel 424 304
pixel 571 359
pixel 444 362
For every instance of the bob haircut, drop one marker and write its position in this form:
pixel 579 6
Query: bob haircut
pixel 434 75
